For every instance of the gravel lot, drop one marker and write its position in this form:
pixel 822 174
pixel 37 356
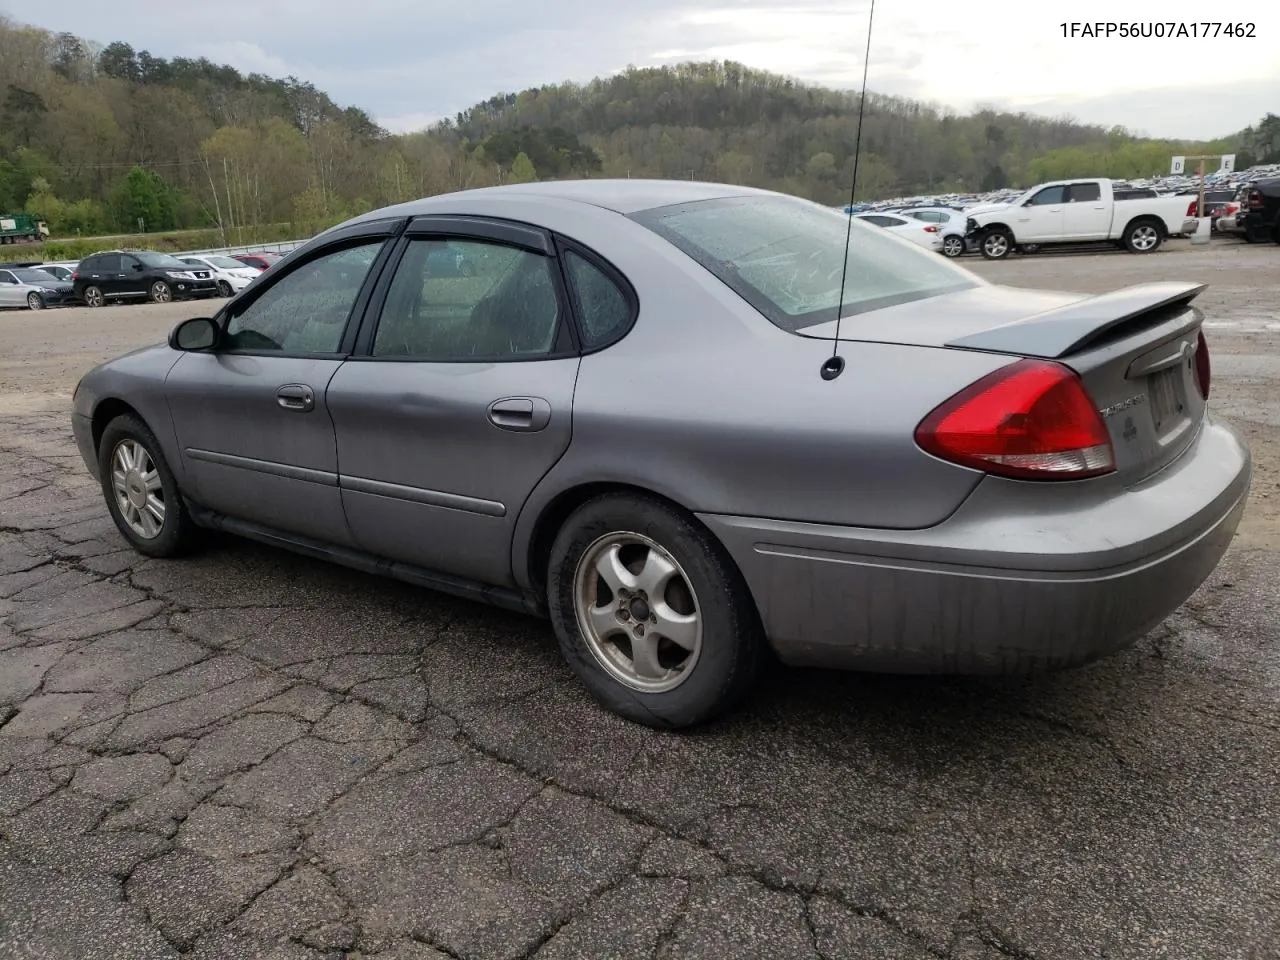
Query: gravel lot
pixel 247 754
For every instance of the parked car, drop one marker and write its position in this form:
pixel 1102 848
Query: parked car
pixel 139 274
pixel 33 289
pixel 262 261
pixel 924 234
pixel 230 274
pixel 951 227
pixel 1215 202
pixel 1077 211
pixel 1261 212
pixel 640 421
pixel 63 271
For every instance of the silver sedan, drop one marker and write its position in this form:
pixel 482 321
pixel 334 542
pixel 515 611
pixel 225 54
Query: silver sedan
pixel 695 425
pixel 33 288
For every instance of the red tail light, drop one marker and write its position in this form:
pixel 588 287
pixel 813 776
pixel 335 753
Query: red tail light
pixel 75 276
pixel 1193 209
pixel 1255 199
pixel 1202 365
pixel 1031 420
pixel 931 228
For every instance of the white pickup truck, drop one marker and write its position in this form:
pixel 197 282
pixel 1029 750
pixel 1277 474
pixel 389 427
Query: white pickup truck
pixel 1078 211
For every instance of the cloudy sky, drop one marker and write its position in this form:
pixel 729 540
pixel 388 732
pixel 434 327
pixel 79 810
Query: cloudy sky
pixel 409 62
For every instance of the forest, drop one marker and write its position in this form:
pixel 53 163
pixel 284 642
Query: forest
pixel 107 139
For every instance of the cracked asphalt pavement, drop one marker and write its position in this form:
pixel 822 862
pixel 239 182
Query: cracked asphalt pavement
pixel 249 754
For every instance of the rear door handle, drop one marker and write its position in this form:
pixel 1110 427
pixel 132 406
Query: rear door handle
pixel 297 397
pixel 525 414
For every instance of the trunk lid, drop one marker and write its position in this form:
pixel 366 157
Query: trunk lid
pixel 1134 348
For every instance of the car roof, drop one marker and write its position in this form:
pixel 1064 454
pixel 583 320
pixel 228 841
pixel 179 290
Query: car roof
pixel 621 196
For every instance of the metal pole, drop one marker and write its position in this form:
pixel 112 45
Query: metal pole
pixel 1200 205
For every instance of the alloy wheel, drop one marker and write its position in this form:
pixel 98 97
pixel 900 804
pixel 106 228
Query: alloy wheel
pixel 637 612
pixel 135 483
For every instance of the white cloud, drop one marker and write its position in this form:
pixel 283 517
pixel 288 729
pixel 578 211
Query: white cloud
pixel 407 60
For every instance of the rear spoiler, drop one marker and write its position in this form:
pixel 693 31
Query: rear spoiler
pixel 1065 330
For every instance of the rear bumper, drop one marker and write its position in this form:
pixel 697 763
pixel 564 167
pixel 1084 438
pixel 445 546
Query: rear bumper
pixel 1005 585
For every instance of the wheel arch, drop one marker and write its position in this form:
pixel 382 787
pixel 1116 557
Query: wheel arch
pixel 532 553
pixel 108 409
pixel 1156 221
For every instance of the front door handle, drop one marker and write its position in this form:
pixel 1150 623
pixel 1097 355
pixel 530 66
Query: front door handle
pixel 297 397
pixel 525 414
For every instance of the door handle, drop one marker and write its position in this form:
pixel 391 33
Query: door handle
pixel 525 414
pixel 297 397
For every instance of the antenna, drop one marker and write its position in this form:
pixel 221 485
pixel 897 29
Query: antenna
pixel 833 366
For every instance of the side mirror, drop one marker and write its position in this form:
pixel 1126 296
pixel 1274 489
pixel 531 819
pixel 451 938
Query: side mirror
pixel 198 333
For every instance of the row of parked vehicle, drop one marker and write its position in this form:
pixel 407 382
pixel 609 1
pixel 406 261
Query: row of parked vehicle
pixel 1252 213
pixel 1083 212
pixel 115 275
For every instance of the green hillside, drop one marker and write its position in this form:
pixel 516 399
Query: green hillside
pixel 111 140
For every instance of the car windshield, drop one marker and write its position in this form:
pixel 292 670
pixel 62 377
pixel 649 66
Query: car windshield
pixel 33 276
pixel 162 261
pixel 785 256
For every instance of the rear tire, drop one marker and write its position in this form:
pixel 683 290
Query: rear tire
pixel 996 244
pixel 93 297
pixel 952 246
pixel 141 492
pixel 1142 236
pixel 631 569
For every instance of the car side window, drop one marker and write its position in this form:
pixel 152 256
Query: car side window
pixel 307 309
pixel 1048 196
pixel 1084 192
pixel 7 277
pixel 457 300
pixel 603 307
pixel 131 265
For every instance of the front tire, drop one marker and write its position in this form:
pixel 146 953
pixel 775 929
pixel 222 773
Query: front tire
pixel 224 288
pixel 160 292
pixel 93 297
pixel 1142 236
pixel 141 492
pixel 34 301
pixel 996 244
pixel 651 613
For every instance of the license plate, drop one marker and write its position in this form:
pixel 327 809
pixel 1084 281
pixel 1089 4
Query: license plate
pixel 1166 401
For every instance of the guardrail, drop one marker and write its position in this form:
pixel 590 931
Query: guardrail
pixel 283 247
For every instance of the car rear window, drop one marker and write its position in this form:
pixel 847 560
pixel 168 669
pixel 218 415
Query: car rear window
pixel 786 257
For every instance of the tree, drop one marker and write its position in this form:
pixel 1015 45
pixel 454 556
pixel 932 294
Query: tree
pixel 143 195
pixel 23 112
pixel 994 179
pixel 119 61
pixel 522 170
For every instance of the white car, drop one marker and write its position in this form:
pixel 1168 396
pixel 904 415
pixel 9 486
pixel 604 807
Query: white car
pixel 925 234
pixel 951 226
pixel 61 271
pixel 231 275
